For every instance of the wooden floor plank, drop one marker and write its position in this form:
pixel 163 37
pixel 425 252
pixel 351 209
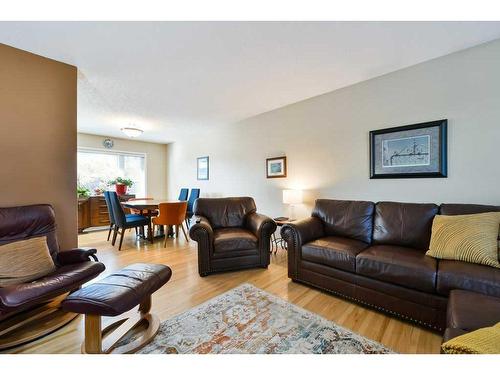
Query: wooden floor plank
pixel 187 289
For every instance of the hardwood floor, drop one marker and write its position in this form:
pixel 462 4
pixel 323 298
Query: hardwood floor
pixel 187 289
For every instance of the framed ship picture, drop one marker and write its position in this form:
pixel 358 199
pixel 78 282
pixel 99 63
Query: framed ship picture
pixel 411 151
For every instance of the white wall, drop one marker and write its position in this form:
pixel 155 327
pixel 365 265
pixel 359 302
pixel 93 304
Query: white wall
pixel 326 139
pixel 156 159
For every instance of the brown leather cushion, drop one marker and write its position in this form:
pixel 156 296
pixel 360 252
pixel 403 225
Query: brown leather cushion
pixel 338 252
pixel 451 333
pixel 399 265
pixel 225 212
pixel 352 219
pixel 453 274
pixel 230 239
pixel 466 209
pixel 470 311
pixel 404 224
pixel 23 222
pixel 120 291
pixel 64 279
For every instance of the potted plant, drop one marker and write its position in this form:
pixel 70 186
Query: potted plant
pixel 82 192
pixel 121 185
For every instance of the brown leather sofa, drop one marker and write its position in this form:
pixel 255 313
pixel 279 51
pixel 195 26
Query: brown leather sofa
pixel 231 235
pixel 374 254
pixel 74 267
pixel 468 311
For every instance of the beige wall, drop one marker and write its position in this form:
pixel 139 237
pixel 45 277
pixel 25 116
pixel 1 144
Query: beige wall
pixel 156 159
pixel 38 136
pixel 326 139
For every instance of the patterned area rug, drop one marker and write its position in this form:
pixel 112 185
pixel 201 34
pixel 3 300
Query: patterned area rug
pixel 248 320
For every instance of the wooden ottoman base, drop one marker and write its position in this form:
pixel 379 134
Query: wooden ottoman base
pixel 141 327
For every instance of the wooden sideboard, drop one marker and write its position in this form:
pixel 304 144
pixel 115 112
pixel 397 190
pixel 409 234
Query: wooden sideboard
pixel 93 212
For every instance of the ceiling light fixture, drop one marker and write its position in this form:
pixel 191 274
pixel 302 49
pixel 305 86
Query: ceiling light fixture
pixel 132 132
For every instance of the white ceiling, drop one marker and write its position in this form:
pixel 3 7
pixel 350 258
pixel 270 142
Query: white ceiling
pixel 166 77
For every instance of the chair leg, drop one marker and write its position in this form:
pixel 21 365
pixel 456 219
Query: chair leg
pixel 166 236
pixel 121 239
pixel 177 231
pixel 114 236
pixel 184 231
pixel 110 229
pixel 187 223
pixel 150 232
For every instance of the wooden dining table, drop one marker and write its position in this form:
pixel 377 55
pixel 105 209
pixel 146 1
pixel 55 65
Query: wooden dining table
pixel 147 207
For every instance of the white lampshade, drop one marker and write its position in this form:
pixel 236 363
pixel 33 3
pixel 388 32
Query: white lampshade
pixel 292 196
pixel 132 132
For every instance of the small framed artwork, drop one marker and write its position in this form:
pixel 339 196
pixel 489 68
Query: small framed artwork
pixel 410 151
pixel 202 168
pixel 276 167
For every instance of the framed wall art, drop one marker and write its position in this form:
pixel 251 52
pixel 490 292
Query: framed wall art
pixel 276 167
pixel 410 151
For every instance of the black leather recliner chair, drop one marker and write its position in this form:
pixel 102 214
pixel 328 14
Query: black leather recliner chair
pixel 73 268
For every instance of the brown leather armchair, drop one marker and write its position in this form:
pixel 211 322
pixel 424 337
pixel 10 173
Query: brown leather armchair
pixel 231 235
pixel 73 268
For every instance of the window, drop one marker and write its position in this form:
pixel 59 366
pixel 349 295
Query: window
pixel 96 168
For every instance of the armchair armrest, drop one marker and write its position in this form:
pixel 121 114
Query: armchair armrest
pixel 201 231
pixel 298 233
pixel 261 226
pixel 76 256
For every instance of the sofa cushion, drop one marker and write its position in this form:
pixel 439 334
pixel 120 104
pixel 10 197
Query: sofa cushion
pixel 230 239
pixel 466 209
pixel 453 274
pixel 352 219
pixel 404 224
pixel 399 265
pixel 463 312
pixel 468 238
pixel 338 252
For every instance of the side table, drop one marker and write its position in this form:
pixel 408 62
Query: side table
pixel 277 242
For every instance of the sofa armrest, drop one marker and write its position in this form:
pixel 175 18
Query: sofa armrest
pixel 201 231
pixel 296 234
pixel 77 255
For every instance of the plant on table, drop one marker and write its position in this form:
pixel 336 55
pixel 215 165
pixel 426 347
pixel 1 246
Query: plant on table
pixel 121 185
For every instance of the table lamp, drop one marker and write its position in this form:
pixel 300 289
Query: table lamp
pixel 292 197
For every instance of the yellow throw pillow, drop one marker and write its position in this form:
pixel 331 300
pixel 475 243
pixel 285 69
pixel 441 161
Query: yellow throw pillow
pixel 481 341
pixel 469 238
pixel 25 261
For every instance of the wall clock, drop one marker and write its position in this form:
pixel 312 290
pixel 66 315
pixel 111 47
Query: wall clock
pixel 108 143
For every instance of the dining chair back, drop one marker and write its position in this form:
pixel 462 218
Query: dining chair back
pixel 195 194
pixel 110 213
pixel 118 213
pixel 183 195
pixel 172 213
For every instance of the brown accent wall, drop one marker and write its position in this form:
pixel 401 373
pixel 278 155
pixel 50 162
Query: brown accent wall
pixel 38 136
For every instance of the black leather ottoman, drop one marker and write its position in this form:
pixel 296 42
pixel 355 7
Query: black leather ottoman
pixel 113 296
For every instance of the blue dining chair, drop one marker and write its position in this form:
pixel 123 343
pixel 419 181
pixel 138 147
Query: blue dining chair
pixel 183 195
pixel 110 213
pixel 123 221
pixel 195 194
